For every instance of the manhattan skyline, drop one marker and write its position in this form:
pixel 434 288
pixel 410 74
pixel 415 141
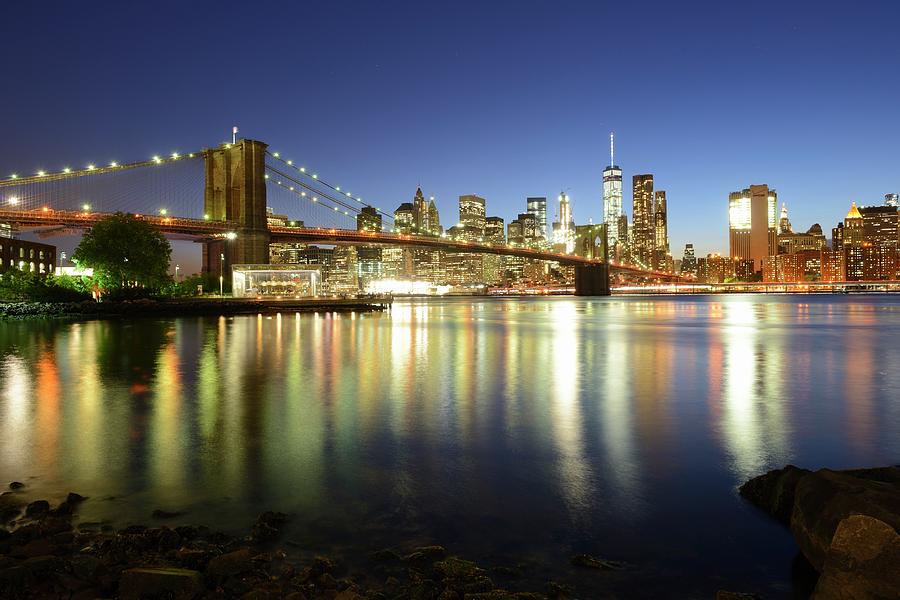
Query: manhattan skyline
pixel 801 104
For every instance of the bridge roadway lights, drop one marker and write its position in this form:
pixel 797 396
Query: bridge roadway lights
pixel 592 280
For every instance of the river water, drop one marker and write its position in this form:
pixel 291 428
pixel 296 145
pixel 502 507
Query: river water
pixel 512 431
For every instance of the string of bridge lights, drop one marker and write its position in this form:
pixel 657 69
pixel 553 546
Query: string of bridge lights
pixel 94 168
pixel 304 195
pixel 336 188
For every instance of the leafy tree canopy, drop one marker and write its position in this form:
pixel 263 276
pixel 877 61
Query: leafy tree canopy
pixel 125 251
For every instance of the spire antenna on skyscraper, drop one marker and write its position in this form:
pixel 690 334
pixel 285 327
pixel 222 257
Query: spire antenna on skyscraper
pixel 612 153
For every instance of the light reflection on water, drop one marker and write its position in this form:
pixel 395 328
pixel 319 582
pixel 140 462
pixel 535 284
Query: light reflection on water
pixel 502 428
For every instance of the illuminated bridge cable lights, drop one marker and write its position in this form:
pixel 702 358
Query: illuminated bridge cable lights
pixel 92 169
pixel 319 180
pixel 300 183
pixel 316 199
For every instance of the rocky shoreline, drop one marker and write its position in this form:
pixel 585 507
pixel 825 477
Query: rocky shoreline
pixel 45 552
pixel 844 522
pixel 89 309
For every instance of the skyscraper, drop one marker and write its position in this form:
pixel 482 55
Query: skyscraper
pixel 472 212
pixel 643 236
pixel 537 206
pixel 752 224
pixel 564 228
pixel 661 232
pixel 892 200
pixel 612 196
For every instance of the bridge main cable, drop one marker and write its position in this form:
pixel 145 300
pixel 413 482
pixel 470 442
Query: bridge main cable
pixel 312 189
pixel 91 169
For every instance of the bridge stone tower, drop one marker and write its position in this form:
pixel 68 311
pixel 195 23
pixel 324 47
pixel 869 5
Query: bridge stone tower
pixel 236 192
pixel 593 280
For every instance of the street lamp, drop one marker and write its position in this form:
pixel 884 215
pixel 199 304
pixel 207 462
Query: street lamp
pixel 176 272
pixel 221 274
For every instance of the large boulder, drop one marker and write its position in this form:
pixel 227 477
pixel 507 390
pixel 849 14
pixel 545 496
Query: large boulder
pixel 825 498
pixel 862 562
pixel 774 491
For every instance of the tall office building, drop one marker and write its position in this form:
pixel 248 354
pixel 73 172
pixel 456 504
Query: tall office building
pixel 643 236
pixel 752 224
pixel 892 200
pixel 612 196
pixel 564 228
pixel 537 206
pixel 661 232
pixel 472 212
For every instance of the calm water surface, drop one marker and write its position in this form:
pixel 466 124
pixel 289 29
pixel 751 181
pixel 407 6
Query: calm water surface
pixel 514 431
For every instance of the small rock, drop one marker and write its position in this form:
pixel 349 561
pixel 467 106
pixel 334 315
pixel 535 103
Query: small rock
pixel 74 498
pixel 160 583
pixel 592 562
pixel 36 509
pixel 234 563
pixel 426 553
pixel 16 485
pixel 456 568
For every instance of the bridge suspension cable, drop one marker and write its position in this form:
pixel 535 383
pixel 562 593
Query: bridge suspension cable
pixel 304 172
pixel 93 169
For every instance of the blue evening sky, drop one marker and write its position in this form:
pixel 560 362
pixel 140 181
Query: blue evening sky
pixel 502 99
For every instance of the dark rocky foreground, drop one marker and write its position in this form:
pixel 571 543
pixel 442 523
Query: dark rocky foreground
pixel 182 307
pixel 44 555
pixel 845 523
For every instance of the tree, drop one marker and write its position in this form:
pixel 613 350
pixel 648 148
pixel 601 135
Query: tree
pixel 125 252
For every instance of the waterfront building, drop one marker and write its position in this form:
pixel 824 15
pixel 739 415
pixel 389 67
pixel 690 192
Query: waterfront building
pixel 643 238
pixel 661 257
pixel 32 257
pixel 251 281
pixel 612 196
pixel 752 224
pixel 832 265
pixel 796 267
pixel 892 200
pixel 369 258
pixel 537 206
pixel 689 261
pixel 714 268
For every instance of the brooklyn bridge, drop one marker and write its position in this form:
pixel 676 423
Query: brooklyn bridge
pixel 226 210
